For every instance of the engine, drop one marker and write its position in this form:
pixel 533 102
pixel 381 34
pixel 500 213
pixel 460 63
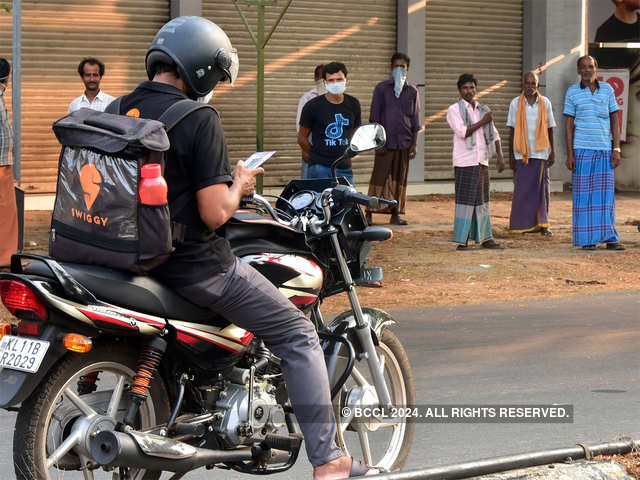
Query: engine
pixel 236 424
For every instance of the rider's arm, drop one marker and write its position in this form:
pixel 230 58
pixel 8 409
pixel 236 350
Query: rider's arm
pixel 303 139
pixel 217 203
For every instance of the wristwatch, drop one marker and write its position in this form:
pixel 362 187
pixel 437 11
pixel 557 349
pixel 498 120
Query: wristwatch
pixel 617 149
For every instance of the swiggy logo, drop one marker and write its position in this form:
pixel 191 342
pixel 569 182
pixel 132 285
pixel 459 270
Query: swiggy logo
pixel 90 179
pixel 91 182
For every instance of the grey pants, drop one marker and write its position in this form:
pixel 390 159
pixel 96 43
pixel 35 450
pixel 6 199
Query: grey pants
pixel 247 299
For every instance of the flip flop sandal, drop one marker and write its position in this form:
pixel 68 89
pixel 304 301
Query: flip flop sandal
pixel 589 247
pixel 493 245
pixel 615 246
pixel 462 247
pixel 359 469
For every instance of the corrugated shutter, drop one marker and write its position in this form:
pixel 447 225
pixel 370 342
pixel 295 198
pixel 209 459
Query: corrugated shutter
pixel 56 36
pixel 360 34
pixel 483 37
pixel 6 46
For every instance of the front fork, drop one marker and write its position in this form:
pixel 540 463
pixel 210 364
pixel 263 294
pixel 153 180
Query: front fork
pixel 363 328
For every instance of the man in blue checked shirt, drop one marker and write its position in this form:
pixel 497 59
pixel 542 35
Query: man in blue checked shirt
pixel 593 151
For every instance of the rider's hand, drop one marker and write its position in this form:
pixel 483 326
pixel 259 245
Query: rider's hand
pixel 245 178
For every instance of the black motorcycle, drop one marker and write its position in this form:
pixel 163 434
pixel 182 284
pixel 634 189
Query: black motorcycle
pixel 113 371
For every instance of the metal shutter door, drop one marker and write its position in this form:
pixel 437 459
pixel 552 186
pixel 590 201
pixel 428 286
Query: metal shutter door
pixel 6 49
pixel 55 37
pixel 362 35
pixel 483 37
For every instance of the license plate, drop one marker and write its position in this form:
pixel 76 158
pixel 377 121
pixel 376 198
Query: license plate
pixel 22 353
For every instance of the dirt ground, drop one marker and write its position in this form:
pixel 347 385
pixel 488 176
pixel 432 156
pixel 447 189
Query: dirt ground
pixel 422 267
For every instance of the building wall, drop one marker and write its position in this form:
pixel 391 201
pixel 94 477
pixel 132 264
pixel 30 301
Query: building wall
pixel 553 41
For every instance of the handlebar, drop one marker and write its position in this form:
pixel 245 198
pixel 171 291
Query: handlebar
pixel 346 194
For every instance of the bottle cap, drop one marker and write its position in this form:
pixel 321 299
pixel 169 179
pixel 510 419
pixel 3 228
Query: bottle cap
pixel 151 170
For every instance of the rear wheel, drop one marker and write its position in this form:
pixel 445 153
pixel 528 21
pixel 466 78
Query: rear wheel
pixel 377 441
pixel 52 433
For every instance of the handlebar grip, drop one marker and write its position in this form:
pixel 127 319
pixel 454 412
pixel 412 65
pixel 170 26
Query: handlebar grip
pixel 391 203
pixel 366 200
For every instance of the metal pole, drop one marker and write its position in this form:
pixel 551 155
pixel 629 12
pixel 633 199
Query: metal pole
pixel 260 96
pixel 16 82
pixel 502 464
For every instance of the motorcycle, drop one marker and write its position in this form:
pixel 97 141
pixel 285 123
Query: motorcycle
pixel 109 370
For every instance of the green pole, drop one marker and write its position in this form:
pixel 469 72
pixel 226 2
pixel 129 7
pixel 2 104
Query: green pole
pixel 260 44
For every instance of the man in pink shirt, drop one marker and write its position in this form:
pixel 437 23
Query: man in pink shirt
pixel 475 141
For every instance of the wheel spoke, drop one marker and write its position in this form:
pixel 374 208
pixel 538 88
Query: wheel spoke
pixel 364 445
pixel 359 378
pixel 86 410
pixel 70 442
pixel 114 403
pixel 88 474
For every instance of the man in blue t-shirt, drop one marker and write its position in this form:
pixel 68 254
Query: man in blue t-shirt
pixel 330 119
pixel 593 151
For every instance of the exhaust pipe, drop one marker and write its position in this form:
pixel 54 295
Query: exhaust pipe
pixel 153 452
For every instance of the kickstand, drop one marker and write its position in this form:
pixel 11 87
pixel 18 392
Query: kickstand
pixel 177 475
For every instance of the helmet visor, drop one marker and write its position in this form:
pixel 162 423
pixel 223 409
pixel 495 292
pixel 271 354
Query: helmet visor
pixel 235 66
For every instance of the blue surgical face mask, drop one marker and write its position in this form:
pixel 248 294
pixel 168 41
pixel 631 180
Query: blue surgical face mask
pixel 336 88
pixel 399 75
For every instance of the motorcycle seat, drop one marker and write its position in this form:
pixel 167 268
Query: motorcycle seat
pixel 135 292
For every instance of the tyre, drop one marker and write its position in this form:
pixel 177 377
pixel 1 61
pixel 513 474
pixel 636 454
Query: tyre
pixel 376 441
pixel 82 393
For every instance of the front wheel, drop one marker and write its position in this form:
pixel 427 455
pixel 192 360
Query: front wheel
pixel 378 442
pixel 83 393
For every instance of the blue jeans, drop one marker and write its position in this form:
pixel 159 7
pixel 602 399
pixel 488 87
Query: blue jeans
pixel 321 171
pixel 305 169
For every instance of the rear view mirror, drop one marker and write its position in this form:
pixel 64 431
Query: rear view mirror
pixel 368 137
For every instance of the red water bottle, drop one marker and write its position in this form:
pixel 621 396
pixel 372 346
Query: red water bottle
pixel 153 188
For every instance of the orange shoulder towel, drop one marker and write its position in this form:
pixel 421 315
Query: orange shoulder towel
pixel 520 139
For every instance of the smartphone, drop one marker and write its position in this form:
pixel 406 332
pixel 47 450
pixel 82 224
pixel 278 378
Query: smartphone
pixel 258 158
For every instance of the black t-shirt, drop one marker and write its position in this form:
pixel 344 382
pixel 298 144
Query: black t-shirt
pixel 197 158
pixel 331 127
pixel 615 30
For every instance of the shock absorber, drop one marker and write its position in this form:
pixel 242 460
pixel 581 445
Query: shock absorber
pixel 147 366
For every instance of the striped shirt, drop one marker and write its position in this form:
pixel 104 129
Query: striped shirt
pixel 6 136
pixel 591 112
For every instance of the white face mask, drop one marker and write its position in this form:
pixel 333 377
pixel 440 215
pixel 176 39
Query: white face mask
pixel 336 88
pixel 3 87
pixel 206 99
pixel 399 75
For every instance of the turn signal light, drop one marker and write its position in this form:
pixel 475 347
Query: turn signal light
pixel 5 329
pixel 74 342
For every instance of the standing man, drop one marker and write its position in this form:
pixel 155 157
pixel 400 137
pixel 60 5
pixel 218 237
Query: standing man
pixel 593 151
pixel 8 209
pixel 396 106
pixel 202 268
pixel 313 93
pixel 91 70
pixel 331 119
pixel 531 153
pixel 475 141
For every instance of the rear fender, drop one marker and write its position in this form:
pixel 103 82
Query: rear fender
pixel 16 386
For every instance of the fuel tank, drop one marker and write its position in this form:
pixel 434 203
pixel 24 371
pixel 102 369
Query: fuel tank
pixel 297 277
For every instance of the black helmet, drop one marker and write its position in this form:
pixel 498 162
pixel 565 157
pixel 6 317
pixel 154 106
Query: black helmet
pixel 5 68
pixel 201 51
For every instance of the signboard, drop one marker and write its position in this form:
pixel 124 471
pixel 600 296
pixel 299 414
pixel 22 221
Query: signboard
pixel 619 81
